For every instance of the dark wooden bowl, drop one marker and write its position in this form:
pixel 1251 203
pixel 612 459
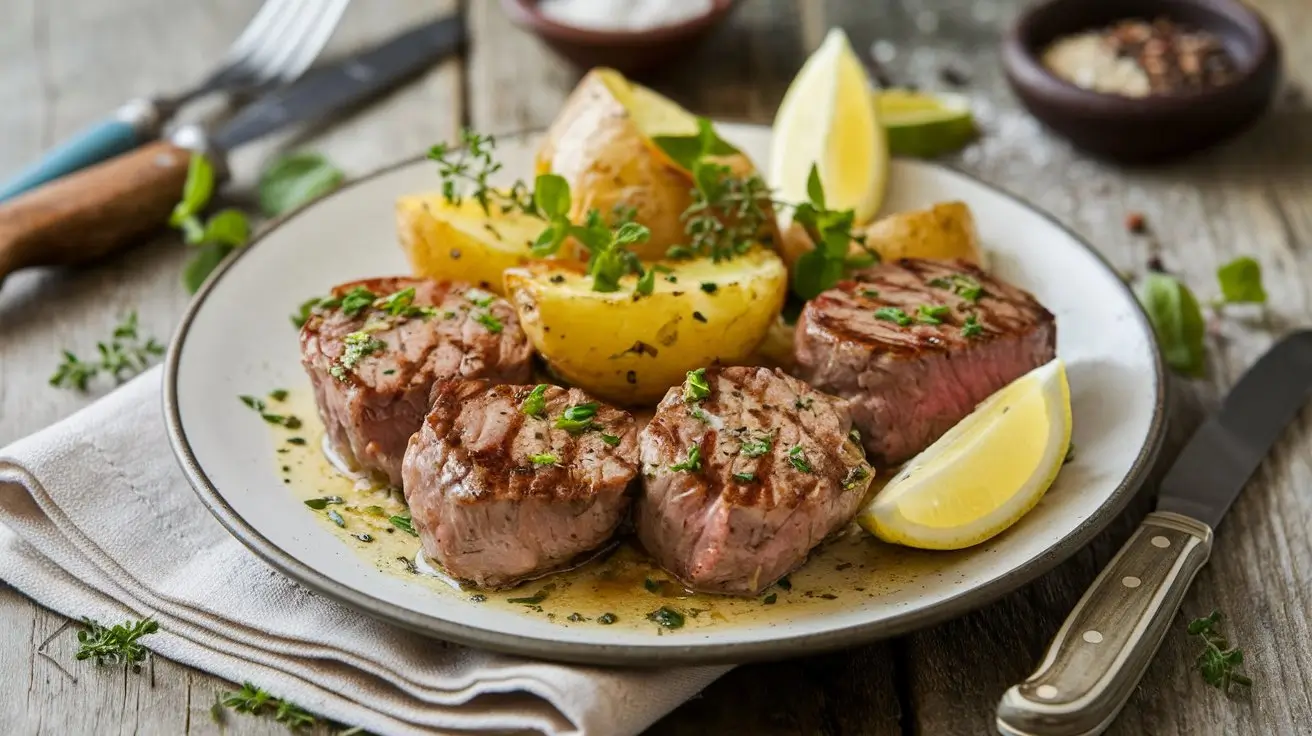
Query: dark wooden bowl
pixel 1144 129
pixel 632 53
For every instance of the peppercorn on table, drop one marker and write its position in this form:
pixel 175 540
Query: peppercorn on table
pixel 62 64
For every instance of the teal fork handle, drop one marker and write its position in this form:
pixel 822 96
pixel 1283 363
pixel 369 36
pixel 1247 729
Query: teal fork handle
pixel 133 125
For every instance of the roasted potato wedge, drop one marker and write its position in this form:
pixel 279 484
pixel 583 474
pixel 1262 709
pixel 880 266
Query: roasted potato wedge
pixel 944 231
pixel 601 143
pixel 459 242
pixel 629 349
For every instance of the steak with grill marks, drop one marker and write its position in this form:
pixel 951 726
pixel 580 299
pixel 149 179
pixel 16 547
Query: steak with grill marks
pixel 742 480
pixel 500 493
pixel 915 345
pixel 374 350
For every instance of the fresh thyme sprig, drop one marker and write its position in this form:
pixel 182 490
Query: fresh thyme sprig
pixel 115 645
pixel 471 162
pixel 258 702
pixel 1218 661
pixel 124 355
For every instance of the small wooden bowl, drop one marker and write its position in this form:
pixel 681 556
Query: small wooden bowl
pixel 630 52
pixel 1143 129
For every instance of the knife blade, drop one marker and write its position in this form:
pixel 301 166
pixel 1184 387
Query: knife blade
pixel 87 215
pixel 341 85
pixel 1101 651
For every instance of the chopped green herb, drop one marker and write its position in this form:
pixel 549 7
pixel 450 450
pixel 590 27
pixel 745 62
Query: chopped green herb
pixel 893 314
pixel 336 518
pixel 610 439
pixel 357 300
pixel 401 304
pixel 692 464
pixel 646 282
pixel 358 346
pixel 543 458
pixel 480 298
pixel 1241 281
pixel 257 702
pixel 1218 661
pixel 757 447
pixel 535 404
pixel 666 617
pixel 855 476
pixel 122 356
pixel 478 598
pixel 695 387
pixel 577 418
pixel 651 585
pixel 278 394
pixel 296 440
pixel 709 287
pixel 606 619
pixel 963 286
pixel 698 413
pixel 404 523
pixel 785 583
pixel 489 320
pixel 870 293
pixel 971 327
pixel 797 458
pixel 532 600
pixel 115 645
pixel 832 232
pixel 745 477
pixel 770 599
pixel 375 510
pixel 931 314
pixel 1177 322
pixel 318 504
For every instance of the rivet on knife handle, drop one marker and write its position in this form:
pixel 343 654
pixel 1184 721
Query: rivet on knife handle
pixel 93 212
pixel 1101 652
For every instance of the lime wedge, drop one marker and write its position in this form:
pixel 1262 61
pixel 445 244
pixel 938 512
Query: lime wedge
pixel 924 125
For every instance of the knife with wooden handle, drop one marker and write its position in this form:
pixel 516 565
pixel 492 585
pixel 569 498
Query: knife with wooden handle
pixel 89 214
pixel 1103 648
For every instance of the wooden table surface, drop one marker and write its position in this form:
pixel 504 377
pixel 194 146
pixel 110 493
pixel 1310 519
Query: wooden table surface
pixel 65 62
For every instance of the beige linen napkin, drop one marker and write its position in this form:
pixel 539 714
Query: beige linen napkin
pixel 97 520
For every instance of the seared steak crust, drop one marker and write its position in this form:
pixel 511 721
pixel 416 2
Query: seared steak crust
pixel 498 495
pixel 907 383
pixel 776 472
pixel 373 395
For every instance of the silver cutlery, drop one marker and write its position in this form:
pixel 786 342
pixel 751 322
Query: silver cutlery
pixel 1103 648
pixel 277 46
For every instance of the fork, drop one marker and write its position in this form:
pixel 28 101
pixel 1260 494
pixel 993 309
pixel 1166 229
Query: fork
pixel 278 45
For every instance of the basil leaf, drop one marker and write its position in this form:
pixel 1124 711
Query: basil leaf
pixel 1241 281
pixel 295 179
pixel 1177 322
pixel 684 150
pixel 815 273
pixel 815 191
pixel 196 191
pixel 208 257
pixel 551 195
pixel 227 227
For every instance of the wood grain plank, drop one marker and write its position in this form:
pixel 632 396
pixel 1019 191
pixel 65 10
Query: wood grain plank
pixel 68 62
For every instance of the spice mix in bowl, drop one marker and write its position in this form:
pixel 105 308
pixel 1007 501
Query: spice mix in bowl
pixel 1146 80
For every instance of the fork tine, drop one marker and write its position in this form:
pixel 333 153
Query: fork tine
pixel 271 16
pixel 302 54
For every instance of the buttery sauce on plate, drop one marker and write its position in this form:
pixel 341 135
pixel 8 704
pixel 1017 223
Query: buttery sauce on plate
pixel 619 587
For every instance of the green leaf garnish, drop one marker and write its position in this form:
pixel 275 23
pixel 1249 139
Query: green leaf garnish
pixel 894 315
pixel 666 618
pixel 535 404
pixel 1177 321
pixel 490 321
pixel 357 300
pixel 695 387
pixel 257 702
pixel 971 327
pixel 692 464
pixel 1218 662
pixel 296 179
pixel 577 418
pixel 405 523
pixel 745 477
pixel 756 447
pixel 797 458
pixel 931 315
pixel 114 645
pixel 124 355
pixel 543 458
pixel 610 439
pixel 1241 281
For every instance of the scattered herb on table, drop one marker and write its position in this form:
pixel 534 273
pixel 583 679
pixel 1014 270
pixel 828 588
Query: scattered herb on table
pixel 296 179
pixel 692 464
pixel 216 237
pixel 577 418
pixel 1177 321
pixel 1241 282
pixel 115 645
pixel 124 355
pixel 1218 661
pixel 666 617
pixel 404 523
pixel 695 387
pixel 257 702
pixel 535 404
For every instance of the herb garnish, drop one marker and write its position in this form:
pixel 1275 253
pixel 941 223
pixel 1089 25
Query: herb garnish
pixel 606 619
pixel 535 404
pixel 666 617
pixel 358 345
pixel 692 464
pixel 745 477
pixel 577 418
pixel 1241 282
pixel 122 356
pixel 1218 660
pixel 797 458
pixel 490 321
pixel 471 162
pixel 695 387
pixel 769 600
pixel 971 327
pixel 698 413
pixel 532 600
pixel 543 458
pixel 404 523
pixel 610 439
pixel 854 477
pixel 757 447
pixel 223 232
pixel 319 504
pixel 1177 322
pixel 401 304
pixel 609 259
pixel 116 644
pixel 257 702
pixel 295 179
pixel 963 286
pixel 931 314
pixel 480 298
pixel 278 394
pixel 831 232
pixel 288 421
pixel 336 518
pixel 870 293
pixel 893 314
pixel 356 301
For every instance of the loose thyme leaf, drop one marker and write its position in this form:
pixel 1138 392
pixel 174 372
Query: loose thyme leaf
pixel 471 163
pixel 258 702
pixel 125 354
pixel 404 523
pixel 535 404
pixel 692 464
pixel 695 387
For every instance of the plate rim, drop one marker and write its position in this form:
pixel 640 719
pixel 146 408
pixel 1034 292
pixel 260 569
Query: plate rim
pixel 639 655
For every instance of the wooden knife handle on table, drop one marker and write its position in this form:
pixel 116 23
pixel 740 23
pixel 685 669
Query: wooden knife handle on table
pixel 89 214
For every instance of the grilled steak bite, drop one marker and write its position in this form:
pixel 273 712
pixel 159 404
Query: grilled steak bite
pixel 746 470
pixel 915 345
pixel 374 348
pixel 509 482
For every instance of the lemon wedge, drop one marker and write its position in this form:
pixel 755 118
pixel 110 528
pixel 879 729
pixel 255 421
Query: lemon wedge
pixel 828 118
pixel 984 474
pixel 925 125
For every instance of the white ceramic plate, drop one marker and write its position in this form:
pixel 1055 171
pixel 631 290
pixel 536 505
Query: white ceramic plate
pixel 235 339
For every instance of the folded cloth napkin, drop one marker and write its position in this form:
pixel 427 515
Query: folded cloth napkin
pixel 96 520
